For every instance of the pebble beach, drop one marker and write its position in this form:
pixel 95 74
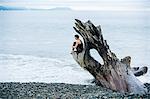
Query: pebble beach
pixel 16 90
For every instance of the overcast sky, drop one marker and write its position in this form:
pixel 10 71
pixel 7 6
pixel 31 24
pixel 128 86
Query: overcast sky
pixel 82 4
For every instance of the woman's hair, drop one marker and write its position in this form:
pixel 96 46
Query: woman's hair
pixel 77 36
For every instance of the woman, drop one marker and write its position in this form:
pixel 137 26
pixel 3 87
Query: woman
pixel 77 45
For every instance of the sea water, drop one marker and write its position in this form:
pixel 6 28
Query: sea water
pixel 35 46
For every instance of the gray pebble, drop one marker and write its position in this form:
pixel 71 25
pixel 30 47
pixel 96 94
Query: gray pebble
pixel 60 91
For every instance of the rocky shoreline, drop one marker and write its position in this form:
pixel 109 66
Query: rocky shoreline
pixel 34 90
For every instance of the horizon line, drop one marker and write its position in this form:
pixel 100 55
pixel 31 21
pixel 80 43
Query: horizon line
pixel 80 8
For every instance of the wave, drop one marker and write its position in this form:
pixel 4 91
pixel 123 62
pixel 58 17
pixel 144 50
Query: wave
pixel 26 68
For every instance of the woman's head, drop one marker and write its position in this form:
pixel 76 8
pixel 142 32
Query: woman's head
pixel 76 36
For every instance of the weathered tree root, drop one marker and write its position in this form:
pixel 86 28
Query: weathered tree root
pixel 113 73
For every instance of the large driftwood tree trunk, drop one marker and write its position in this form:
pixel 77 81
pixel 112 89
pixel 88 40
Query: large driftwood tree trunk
pixel 113 73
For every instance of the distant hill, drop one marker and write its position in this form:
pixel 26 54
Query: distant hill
pixel 61 8
pixel 11 8
pixel 21 8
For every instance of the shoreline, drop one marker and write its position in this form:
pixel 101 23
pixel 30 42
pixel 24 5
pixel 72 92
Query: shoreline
pixel 35 90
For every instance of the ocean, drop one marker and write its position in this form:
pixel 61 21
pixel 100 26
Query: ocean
pixel 35 46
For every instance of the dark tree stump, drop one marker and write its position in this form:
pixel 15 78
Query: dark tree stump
pixel 113 73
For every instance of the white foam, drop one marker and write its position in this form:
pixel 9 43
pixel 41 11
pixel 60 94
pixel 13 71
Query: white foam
pixel 145 78
pixel 23 68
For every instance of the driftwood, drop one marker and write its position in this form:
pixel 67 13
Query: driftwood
pixel 113 73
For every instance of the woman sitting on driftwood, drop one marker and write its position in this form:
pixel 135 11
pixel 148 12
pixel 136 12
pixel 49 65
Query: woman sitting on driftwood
pixel 77 45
